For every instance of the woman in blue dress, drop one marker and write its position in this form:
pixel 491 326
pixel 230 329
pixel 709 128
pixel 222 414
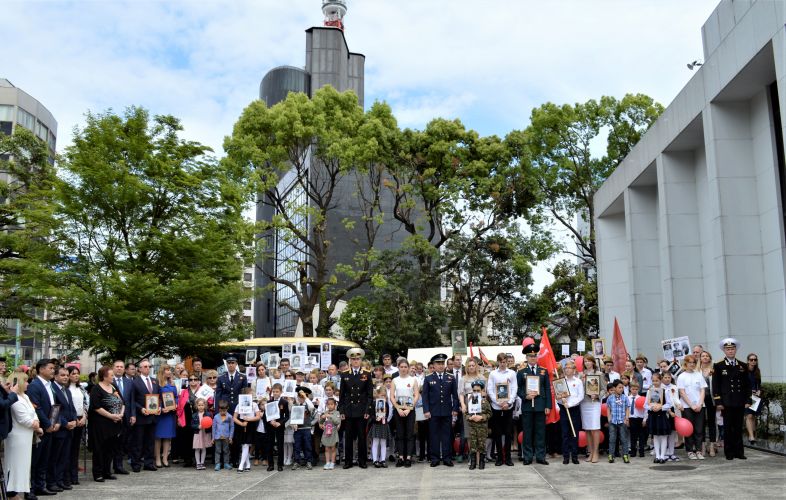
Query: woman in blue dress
pixel 166 424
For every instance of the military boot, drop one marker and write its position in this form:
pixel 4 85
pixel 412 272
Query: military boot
pixel 482 464
pixel 472 461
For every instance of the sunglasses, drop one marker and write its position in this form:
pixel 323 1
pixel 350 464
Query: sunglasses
pixel 212 378
pixel 754 359
pixel 195 379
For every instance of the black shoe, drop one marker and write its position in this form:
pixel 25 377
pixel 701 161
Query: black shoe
pixel 542 461
pixel 347 465
pixel 509 462
pixel 527 462
pixel 65 486
pixel 136 469
pixel 473 462
pixel 55 488
pixel 30 496
pixel 741 457
pixel 122 472
pixel 270 468
pixel 575 460
pixel 729 457
pixel 566 460
pixel 482 464
pixel 151 468
pixel 363 465
pixel 399 463
pixel 407 463
pixel 434 464
pixel 75 483
pixel 280 468
pixel 449 463
pixel 111 477
pixel 498 463
pixel 641 454
pixel 96 479
pixel 377 465
pixel 46 493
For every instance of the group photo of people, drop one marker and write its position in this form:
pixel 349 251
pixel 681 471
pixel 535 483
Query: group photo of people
pixel 132 418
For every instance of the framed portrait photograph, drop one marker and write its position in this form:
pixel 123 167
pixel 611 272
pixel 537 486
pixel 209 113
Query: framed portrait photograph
pixel 561 387
pixel 168 400
pixel 271 411
pixel 598 348
pixel 301 348
pixel 655 396
pixel 286 350
pixel 312 362
pixel 503 392
pixel 379 408
pixel 244 404
pixel 675 368
pixel 251 373
pixel 474 403
pixel 251 357
pixel 405 402
pixel 151 402
pixel 298 415
pixel 273 361
pixel 533 383
pixel 592 385
pixel 297 362
pixel 263 385
pixel 54 413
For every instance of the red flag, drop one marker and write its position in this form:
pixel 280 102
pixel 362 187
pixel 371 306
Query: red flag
pixel 618 352
pixel 470 351
pixel 483 358
pixel 546 360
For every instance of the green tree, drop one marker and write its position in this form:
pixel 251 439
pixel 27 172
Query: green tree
pixel 153 238
pixel 302 154
pixel 27 256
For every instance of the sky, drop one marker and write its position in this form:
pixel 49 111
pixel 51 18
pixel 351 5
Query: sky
pixel 487 63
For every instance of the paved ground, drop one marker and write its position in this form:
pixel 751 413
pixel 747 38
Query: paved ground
pixel 761 476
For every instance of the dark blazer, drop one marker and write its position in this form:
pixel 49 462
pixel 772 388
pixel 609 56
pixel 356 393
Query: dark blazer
pixel 37 393
pixel 731 385
pixel 67 410
pixel 440 397
pixel 128 397
pixel 138 398
pixel 6 400
pixel 356 394
pixel 226 391
pixel 543 400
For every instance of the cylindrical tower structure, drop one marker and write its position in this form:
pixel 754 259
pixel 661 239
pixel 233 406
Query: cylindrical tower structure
pixel 334 11
pixel 280 81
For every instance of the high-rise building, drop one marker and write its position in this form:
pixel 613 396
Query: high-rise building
pixel 328 62
pixel 20 109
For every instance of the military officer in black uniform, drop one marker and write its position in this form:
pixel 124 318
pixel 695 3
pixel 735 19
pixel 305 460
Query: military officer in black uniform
pixel 534 407
pixel 731 391
pixel 355 402
pixel 440 405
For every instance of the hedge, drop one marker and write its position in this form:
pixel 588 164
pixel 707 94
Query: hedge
pixel 773 405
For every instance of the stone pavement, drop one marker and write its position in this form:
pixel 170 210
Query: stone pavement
pixel 763 475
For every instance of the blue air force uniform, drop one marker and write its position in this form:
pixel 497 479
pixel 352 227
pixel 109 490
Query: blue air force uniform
pixel 440 399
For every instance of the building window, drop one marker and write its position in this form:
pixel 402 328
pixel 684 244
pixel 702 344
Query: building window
pixel 247 277
pixel 6 113
pixel 41 131
pixel 6 127
pixel 26 120
pixel 247 305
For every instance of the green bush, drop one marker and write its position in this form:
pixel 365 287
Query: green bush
pixel 773 395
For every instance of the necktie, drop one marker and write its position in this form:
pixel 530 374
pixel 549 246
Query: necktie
pixel 440 377
pixel 149 385
pixel 354 372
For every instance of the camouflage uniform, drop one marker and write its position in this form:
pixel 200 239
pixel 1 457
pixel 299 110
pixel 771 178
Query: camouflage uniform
pixel 479 431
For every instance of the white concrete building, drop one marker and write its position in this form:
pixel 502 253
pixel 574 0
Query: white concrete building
pixel 690 227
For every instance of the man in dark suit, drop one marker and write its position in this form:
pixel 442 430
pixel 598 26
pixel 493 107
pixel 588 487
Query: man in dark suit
pixel 145 425
pixel 228 389
pixel 534 407
pixel 61 440
pixel 355 402
pixel 731 389
pixel 440 405
pixel 40 393
pixel 125 386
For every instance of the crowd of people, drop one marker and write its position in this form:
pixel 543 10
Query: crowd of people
pixel 443 412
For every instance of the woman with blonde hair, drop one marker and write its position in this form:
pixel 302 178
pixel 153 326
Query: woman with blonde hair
pixel 19 443
pixel 166 424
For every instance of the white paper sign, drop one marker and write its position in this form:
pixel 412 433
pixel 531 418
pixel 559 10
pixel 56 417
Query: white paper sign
pixel 676 348
pixel 204 392
pixel 271 411
pixel 326 355
pixel 474 405
pixel 565 350
pixel 251 373
pixel 298 415
pixel 289 388
pixel 580 346
pixel 286 351
pixel 244 403
pixel 262 386
pixel 301 348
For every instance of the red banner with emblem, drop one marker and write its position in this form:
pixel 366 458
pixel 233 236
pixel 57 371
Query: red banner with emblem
pixel 546 360
pixel 618 351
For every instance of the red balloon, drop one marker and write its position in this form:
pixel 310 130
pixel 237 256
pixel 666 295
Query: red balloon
pixel 604 409
pixel 521 437
pixel 583 438
pixel 683 426
pixel 456 445
pixel 579 363
pixel 640 402
pixel 206 423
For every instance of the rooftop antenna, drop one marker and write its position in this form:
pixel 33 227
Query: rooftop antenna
pixel 334 11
